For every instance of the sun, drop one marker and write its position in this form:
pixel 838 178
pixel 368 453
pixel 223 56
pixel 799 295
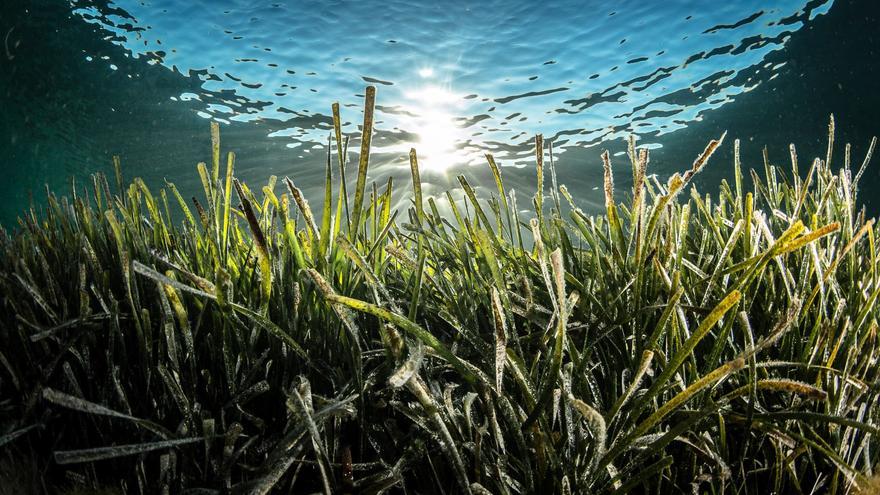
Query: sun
pixel 439 136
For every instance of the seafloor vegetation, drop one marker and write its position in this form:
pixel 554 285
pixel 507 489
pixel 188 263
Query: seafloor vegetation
pixel 243 342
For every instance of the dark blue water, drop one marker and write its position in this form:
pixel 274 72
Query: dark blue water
pixel 81 81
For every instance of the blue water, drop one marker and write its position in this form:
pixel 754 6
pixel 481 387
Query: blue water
pixel 83 80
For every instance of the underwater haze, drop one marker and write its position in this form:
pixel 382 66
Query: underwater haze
pixel 81 81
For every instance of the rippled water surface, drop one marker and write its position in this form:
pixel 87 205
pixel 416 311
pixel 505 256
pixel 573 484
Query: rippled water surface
pixel 83 80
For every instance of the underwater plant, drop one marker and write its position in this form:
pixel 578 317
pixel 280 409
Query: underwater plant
pixel 243 342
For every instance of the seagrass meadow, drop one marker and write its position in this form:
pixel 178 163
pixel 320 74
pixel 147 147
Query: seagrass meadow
pixel 242 342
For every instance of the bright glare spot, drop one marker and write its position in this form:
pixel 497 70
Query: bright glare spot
pixel 431 96
pixel 439 136
pixel 426 72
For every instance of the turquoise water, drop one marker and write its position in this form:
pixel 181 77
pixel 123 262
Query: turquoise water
pixel 83 80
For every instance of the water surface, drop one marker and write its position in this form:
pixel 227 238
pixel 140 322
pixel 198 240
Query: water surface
pixel 82 80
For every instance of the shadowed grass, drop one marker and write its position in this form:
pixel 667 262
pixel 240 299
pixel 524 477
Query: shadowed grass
pixel 677 342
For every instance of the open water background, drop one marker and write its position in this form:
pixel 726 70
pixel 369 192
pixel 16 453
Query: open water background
pixel 82 80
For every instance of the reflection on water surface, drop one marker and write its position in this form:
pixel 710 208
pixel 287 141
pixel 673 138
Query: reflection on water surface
pixel 85 79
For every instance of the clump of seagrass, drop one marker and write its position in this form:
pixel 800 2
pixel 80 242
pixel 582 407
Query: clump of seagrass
pixel 670 344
